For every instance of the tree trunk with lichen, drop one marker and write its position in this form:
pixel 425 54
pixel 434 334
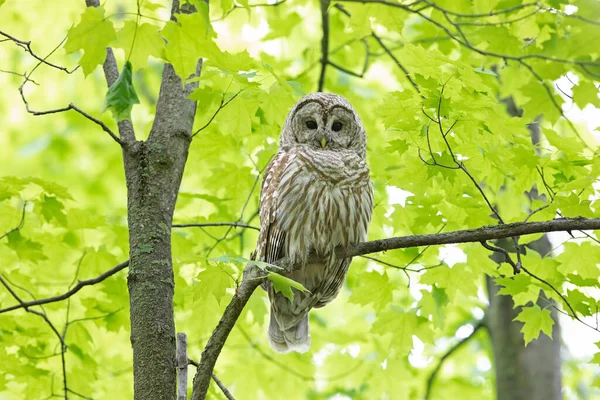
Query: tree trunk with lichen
pixel 153 170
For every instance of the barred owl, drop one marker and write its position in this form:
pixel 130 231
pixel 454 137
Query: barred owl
pixel 316 195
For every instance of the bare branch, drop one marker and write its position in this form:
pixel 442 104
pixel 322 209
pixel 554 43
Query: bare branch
pixel 222 387
pixel 324 42
pixel 69 293
pixel 26 45
pixel 516 266
pixel 182 364
pixel 221 106
pixel 73 107
pixel 235 224
pixel 398 63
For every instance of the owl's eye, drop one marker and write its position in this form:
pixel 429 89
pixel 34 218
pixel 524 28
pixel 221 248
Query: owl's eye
pixel 311 124
pixel 337 126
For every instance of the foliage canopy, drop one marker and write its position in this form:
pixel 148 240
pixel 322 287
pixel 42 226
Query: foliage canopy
pixel 444 152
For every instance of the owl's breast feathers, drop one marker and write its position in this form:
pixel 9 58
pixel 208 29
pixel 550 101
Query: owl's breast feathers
pixel 313 200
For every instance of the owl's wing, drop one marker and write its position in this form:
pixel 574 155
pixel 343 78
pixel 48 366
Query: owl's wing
pixel 272 237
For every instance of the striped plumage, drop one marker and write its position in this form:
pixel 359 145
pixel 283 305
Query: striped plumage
pixel 316 195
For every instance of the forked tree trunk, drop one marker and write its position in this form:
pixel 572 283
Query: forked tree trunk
pixel 153 171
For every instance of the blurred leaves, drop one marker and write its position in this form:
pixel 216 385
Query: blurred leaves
pixel 382 336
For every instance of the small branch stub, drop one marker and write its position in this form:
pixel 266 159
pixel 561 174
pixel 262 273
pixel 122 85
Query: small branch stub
pixel 182 364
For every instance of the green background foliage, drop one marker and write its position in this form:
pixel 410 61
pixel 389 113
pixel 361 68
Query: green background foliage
pixel 394 319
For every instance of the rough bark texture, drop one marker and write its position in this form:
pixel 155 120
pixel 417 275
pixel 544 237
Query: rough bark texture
pixel 522 373
pixel 153 170
pixel 251 280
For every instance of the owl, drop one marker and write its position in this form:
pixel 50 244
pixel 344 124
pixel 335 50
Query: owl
pixel 316 195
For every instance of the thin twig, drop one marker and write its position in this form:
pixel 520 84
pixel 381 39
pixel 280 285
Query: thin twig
pixel 235 224
pixel 221 106
pixel 52 327
pixel 26 45
pixel 21 222
pixel 223 388
pixel 324 42
pixel 449 352
pixel 398 63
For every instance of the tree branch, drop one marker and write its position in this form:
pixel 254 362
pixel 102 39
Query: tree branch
pixel 221 106
pixel 182 364
pixel 253 276
pixel 71 106
pixel 80 285
pixel 324 42
pixel 223 388
pixel 206 224
pixel 468 45
pixel 398 63
pixel 26 45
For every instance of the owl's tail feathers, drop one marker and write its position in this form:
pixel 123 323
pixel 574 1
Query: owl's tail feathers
pixel 295 338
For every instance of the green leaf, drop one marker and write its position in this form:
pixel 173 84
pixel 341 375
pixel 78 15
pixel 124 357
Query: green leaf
pixel 121 96
pixel 514 285
pixel 53 209
pixel 26 249
pixel 152 6
pixel 582 259
pixel 457 278
pixel 139 42
pixel 216 280
pixel 284 285
pixel 536 320
pixel 586 93
pixel 374 289
pixel 93 35
pixel 401 326
pixel 187 42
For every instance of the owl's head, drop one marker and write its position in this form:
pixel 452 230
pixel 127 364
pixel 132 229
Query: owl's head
pixel 324 121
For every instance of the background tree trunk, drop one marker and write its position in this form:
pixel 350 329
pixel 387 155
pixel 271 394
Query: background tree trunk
pixel 532 372
pixel 522 373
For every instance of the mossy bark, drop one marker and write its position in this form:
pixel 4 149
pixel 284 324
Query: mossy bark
pixel 154 169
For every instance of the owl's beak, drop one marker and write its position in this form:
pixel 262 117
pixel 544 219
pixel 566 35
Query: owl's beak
pixel 323 142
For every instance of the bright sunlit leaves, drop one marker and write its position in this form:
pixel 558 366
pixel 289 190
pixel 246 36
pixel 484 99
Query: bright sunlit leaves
pixel 92 34
pixel 387 330
pixel 536 321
